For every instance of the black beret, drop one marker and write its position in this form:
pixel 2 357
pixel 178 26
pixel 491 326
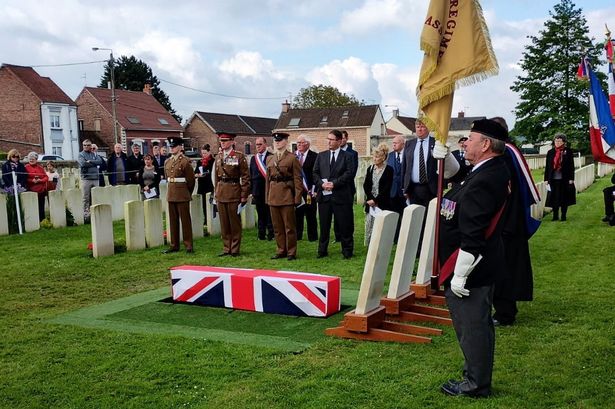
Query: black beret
pixel 278 136
pixel 175 141
pixel 490 128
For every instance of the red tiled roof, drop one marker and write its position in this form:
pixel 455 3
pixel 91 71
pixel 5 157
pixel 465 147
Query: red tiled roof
pixel 393 132
pixel 337 117
pixel 135 104
pixel 43 87
pixel 408 122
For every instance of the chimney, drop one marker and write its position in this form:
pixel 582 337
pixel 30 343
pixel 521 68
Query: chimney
pixel 461 114
pixel 147 88
pixel 285 106
pixel 395 113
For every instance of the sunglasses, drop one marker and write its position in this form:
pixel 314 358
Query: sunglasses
pixel 15 156
pixel 87 144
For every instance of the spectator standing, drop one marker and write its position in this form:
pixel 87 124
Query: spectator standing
pixel 37 182
pixel 258 180
pixel 53 177
pixel 117 165
pixel 559 175
pixel 395 161
pixel 609 198
pixel 377 188
pixel 88 164
pixel 420 168
pixel 159 158
pixel 307 158
pixel 102 168
pixel 134 164
pixel 13 164
pixel 149 178
pixel 204 178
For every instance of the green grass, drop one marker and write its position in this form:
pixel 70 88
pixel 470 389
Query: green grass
pixel 560 355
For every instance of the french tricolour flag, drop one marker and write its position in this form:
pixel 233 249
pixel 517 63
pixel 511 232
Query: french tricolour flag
pixel 601 125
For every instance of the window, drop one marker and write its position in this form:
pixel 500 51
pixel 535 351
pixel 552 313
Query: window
pixel 323 120
pixel 293 146
pixel 247 148
pixel 163 121
pixel 97 125
pixel 294 123
pixel 56 150
pixel 133 119
pixel 345 114
pixel 54 119
pixel 80 124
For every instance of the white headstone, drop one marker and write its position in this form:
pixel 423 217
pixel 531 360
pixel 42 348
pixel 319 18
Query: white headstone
pixel 134 225
pixel 196 215
pixel 163 196
pixel 132 192
pixel 101 195
pixel 102 230
pixel 74 203
pixel 65 183
pixel 117 202
pixel 425 268
pixel 57 209
pixel 405 255
pixel 376 262
pixel 4 217
pixel 29 207
pixel 213 220
pixel 153 222
pixel 248 220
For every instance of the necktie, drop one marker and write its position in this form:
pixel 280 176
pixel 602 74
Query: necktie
pixel 422 169
pixel 398 158
pixel 332 159
pixel 301 158
pixel 462 154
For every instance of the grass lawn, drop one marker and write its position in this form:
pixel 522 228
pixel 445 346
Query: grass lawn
pixel 76 332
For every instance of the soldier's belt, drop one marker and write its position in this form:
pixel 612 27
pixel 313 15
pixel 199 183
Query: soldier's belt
pixel 229 180
pixel 176 180
pixel 281 178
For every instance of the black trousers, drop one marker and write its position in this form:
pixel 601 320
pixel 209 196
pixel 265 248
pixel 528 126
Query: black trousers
pixel 608 200
pixel 265 227
pixel 307 212
pixel 344 215
pixel 471 317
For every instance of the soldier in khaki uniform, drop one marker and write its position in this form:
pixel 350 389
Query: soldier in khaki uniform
pixel 283 193
pixel 232 180
pixel 180 178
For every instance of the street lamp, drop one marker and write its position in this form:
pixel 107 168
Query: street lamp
pixel 112 63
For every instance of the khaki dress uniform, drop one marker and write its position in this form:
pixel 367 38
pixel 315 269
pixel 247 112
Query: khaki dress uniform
pixel 232 179
pixel 283 192
pixel 180 178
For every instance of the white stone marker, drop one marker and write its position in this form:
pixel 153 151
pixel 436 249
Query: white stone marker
pixel 196 216
pixel 102 230
pixel 405 255
pixel 152 209
pixel 213 223
pixel 100 195
pixel 132 192
pixel 4 217
pixel 117 202
pixel 74 203
pixel 248 220
pixel 65 183
pixel 163 196
pixel 425 268
pixel 134 225
pixel 29 207
pixel 57 209
pixel 376 262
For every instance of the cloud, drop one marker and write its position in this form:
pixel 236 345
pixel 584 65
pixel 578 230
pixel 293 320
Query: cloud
pixel 382 14
pixel 250 65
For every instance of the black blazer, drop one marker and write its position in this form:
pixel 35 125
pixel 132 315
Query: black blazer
pixel 383 200
pixel 432 175
pixel 341 175
pixel 258 181
pixel 308 169
pixel 567 165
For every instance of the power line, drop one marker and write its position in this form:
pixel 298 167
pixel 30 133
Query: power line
pixel 216 93
pixel 68 64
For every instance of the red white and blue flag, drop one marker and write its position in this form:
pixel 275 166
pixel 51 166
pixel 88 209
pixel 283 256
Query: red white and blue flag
pixel 277 292
pixel 601 125
pixel 527 188
pixel 610 80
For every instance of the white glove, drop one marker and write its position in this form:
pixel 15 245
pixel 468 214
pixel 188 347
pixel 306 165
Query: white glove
pixel 439 151
pixel 463 267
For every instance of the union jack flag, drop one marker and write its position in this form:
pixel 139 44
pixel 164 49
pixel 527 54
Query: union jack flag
pixel 277 292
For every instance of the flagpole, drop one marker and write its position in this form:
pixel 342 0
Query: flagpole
pixel 435 271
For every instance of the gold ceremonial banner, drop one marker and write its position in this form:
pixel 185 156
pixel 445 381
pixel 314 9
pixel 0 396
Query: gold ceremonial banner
pixel 458 52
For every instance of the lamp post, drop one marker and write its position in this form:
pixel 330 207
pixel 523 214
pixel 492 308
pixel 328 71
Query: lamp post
pixel 112 64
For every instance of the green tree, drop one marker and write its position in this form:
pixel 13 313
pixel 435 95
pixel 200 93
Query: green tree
pixel 324 96
pixel 551 98
pixel 132 74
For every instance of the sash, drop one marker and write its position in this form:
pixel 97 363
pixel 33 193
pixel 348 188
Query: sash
pixel 260 165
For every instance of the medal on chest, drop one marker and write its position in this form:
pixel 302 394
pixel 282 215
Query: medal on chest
pixel 447 208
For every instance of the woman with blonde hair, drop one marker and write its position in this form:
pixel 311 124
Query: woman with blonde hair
pixel 13 164
pixel 377 188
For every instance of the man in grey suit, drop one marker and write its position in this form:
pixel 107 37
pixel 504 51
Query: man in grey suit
pixel 419 168
pixel 333 177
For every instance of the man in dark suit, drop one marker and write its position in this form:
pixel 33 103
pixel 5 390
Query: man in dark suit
pixel 395 160
pixel 134 164
pixel 420 168
pixel 307 158
pixel 472 254
pixel 159 158
pixel 355 163
pixel 333 177
pixel 258 176
pixel 464 165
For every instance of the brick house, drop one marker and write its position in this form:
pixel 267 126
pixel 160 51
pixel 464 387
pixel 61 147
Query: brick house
pixel 36 115
pixel 202 128
pixel 141 119
pixel 365 125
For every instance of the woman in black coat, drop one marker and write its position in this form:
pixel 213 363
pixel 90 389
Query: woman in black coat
pixel 559 175
pixel 377 187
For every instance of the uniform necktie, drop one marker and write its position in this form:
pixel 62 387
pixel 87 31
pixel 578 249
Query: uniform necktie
pixel 422 169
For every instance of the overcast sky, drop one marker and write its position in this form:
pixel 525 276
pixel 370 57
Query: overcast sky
pixel 265 51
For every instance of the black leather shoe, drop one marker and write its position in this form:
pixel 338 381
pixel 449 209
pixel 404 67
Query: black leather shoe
pixel 498 323
pixel 322 255
pixel 454 388
pixel 224 254
pixel 347 256
pixel 167 251
pixel 606 219
pixel 292 257
pixel 234 254
pixel 277 256
pixel 190 250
